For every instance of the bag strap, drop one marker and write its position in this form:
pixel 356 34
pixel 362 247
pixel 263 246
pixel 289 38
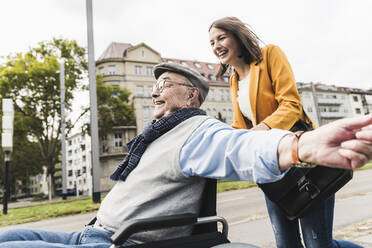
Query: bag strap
pixel 306 116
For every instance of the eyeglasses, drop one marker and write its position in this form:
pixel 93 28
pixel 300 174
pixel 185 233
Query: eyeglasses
pixel 160 85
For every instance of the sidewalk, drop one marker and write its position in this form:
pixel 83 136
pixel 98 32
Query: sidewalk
pixel 360 233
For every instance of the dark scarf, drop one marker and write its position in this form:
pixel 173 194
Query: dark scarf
pixel 155 129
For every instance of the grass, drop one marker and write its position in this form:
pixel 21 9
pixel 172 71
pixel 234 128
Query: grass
pixel 366 166
pixel 230 185
pixel 47 210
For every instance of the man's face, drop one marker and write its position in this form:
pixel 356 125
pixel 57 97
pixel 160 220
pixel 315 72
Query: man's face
pixel 173 94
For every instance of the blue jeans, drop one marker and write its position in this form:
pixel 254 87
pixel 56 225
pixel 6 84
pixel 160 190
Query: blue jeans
pixel 316 227
pixel 90 237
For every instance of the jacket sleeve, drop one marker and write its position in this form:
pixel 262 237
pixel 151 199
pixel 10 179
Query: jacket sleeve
pixel 284 86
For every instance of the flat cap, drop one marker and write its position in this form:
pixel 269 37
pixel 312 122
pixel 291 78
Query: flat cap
pixel 195 77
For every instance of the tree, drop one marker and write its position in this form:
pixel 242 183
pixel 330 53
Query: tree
pixel 220 118
pixel 113 107
pixel 32 81
pixel 25 160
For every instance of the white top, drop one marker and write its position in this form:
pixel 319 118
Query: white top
pixel 243 99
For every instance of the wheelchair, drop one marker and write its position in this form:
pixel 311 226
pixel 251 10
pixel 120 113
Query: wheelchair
pixel 205 232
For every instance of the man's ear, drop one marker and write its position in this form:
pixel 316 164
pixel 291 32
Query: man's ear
pixel 194 97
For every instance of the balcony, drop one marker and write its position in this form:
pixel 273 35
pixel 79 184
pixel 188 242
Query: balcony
pixel 329 101
pixel 333 115
pixel 113 151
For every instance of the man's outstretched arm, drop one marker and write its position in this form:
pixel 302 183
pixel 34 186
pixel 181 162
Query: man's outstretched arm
pixel 345 143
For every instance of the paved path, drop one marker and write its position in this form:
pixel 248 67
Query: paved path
pixel 247 216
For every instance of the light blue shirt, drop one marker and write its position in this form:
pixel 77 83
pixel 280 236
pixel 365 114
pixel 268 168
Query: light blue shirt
pixel 216 150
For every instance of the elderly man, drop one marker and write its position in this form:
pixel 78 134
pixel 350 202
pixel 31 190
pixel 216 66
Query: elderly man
pixel 164 169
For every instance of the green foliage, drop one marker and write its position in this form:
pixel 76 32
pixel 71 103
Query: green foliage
pixel 32 80
pixel 223 185
pixel 113 107
pixel 47 211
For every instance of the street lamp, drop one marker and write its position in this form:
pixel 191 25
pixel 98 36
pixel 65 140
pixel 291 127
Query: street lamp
pixel 7 145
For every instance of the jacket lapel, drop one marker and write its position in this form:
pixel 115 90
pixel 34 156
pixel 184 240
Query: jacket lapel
pixel 238 116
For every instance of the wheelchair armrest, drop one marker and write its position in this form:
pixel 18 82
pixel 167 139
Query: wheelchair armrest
pixel 134 226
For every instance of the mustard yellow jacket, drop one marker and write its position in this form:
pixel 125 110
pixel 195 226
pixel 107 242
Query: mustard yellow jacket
pixel 273 94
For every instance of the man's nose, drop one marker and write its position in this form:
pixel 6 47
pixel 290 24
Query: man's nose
pixel 155 92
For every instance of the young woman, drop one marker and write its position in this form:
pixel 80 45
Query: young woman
pixel 264 96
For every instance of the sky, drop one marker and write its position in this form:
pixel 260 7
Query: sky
pixel 326 41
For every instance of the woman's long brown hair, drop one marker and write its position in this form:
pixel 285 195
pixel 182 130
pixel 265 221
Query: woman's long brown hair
pixel 248 40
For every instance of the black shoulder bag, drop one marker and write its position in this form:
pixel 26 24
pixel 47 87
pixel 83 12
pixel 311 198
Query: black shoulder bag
pixel 303 189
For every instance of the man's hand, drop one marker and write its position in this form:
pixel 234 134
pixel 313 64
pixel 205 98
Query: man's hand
pixel 345 143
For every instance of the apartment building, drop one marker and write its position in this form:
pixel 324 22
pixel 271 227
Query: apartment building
pixel 327 103
pixel 112 150
pixel 131 67
pixel 78 164
pixel 125 65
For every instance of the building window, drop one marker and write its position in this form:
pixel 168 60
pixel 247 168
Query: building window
pixel 70 152
pixel 211 77
pixel 228 96
pixel 208 111
pixel 100 70
pixel 149 71
pixel 104 146
pixel 184 63
pixel 309 109
pixel 148 91
pixel 146 113
pixel 138 70
pixel 70 162
pixel 222 94
pixel 70 173
pixel 111 70
pixel 140 90
pixel 69 142
pixel 117 140
pixel 114 83
pixel 82 147
pixel 357 110
pixel 84 158
pixel 355 99
pixel 84 169
pixel 214 113
pixel 229 115
pixel 197 64
pixel 143 54
pixel 211 94
pixel 210 66
pixel 225 78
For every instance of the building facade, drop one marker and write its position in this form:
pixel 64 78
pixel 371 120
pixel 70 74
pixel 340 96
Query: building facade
pixel 327 103
pixel 78 164
pixel 131 67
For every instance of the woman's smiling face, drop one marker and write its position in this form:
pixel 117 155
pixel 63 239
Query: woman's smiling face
pixel 224 46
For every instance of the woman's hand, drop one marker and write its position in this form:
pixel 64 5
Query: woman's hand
pixel 261 126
